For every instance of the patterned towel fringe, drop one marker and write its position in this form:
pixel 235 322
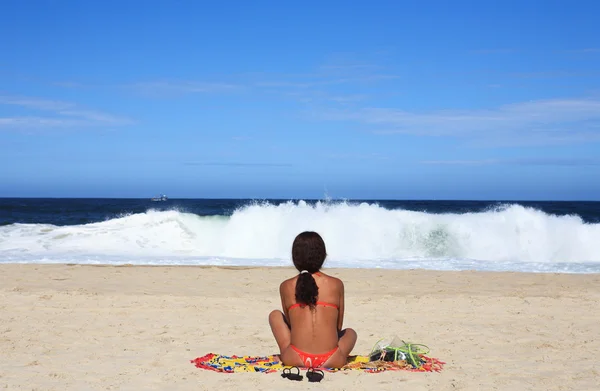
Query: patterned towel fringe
pixel 269 364
pixel 430 364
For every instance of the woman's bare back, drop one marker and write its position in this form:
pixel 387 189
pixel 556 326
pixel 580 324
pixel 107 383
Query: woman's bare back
pixel 317 330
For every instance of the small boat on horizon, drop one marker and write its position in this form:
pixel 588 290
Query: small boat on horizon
pixel 162 197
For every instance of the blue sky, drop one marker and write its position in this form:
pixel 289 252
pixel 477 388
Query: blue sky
pixel 385 99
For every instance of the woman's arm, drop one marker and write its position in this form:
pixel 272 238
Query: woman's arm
pixel 341 312
pixel 282 296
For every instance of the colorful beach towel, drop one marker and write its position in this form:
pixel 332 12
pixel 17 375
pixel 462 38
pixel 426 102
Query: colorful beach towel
pixel 269 364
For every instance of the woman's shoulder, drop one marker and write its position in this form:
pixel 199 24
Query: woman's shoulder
pixel 331 278
pixel 288 283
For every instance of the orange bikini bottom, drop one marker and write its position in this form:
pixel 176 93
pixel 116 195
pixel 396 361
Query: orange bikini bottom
pixel 313 360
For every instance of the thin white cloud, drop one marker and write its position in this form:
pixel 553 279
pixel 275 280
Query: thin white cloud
pixel 315 96
pixel 519 161
pixel 70 84
pixel 284 84
pixel 342 73
pixel 494 51
pixel 349 67
pixel 347 98
pixel 35 103
pixel 238 164
pixel 324 81
pixel 30 122
pixel 327 76
pixel 356 156
pixel 513 50
pixel 62 114
pixel 162 88
pixel 560 120
pixel 554 74
pixel 585 50
pixel 96 117
pixel 479 162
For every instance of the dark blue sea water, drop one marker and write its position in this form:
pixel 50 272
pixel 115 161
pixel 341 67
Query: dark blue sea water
pixel 442 235
pixel 71 211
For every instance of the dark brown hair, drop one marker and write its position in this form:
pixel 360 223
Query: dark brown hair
pixel 308 253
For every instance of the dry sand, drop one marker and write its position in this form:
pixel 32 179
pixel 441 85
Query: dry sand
pixel 70 327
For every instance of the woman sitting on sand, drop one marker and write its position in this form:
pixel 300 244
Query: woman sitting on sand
pixel 309 331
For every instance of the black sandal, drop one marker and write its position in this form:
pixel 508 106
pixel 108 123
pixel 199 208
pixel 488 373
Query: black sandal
pixel 314 376
pixel 290 375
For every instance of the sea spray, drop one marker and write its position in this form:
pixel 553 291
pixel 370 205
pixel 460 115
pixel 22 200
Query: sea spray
pixel 356 235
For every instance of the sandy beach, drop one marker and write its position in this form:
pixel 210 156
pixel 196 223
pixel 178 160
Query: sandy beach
pixel 74 327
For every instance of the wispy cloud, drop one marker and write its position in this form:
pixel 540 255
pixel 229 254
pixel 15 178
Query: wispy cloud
pixel 61 114
pixel 554 74
pixel 314 96
pixel 70 84
pixel 585 50
pixel 480 162
pixel 241 138
pixel 356 156
pixel 324 87
pixel 237 164
pixel 320 81
pixel 169 88
pixel 34 103
pixel 338 82
pixel 520 161
pixel 31 122
pixel 543 121
pixel 513 50
pixel 348 98
pixel 494 51
pixel 350 67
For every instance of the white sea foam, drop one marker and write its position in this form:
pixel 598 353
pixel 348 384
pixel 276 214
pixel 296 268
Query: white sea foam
pixel 512 237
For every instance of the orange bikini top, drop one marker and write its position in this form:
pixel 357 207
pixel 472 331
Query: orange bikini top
pixel 324 304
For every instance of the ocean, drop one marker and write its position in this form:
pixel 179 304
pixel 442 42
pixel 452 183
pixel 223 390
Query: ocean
pixel 437 235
